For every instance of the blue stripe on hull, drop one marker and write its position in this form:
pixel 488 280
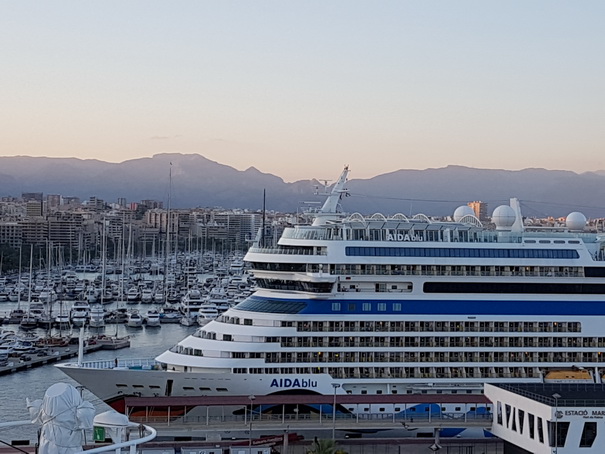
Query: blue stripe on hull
pixel 455 307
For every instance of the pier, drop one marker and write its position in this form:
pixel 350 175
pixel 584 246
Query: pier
pixel 52 354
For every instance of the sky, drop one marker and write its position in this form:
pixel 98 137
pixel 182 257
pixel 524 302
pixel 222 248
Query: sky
pixel 301 88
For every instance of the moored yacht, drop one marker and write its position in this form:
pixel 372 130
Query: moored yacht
pixel 134 319
pixel 192 301
pixel 152 319
pixel 97 316
pixel 207 313
pixel 79 313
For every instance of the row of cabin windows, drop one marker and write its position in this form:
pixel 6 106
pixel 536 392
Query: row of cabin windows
pixel 440 341
pixel 430 326
pixel 430 356
pixel 435 357
pixel 414 372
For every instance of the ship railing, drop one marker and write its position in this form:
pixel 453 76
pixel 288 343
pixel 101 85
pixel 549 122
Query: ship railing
pixel 147 434
pixel 283 251
pixel 142 364
pixel 551 401
pixel 394 417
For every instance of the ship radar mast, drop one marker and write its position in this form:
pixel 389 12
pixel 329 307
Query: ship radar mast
pixel 328 210
pixel 518 224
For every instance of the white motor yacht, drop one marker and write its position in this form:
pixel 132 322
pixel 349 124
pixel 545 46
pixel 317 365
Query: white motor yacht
pixel 134 319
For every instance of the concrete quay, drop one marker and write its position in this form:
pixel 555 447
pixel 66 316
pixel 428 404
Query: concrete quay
pixel 50 355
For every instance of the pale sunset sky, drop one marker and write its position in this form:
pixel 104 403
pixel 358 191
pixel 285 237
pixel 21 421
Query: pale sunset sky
pixel 301 88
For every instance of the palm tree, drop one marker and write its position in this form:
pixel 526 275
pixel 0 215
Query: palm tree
pixel 323 447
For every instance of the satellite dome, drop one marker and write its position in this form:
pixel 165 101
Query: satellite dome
pixel 504 217
pixel 462 211
pixel 575 221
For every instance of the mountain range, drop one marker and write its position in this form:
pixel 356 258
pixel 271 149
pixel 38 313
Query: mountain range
pixel 195 181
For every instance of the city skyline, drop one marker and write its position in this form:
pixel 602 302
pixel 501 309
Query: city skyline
pixel 301 88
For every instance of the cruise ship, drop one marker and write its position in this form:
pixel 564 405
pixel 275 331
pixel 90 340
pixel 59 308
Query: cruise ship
pixel 351 304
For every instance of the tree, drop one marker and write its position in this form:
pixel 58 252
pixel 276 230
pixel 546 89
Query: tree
pixel 323 447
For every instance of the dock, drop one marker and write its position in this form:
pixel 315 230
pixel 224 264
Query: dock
pixel 53 354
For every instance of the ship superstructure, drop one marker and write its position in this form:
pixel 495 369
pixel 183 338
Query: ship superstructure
pixel 392 305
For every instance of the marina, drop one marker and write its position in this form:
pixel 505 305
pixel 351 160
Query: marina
pixel 32 382
pixel 363 320
pixel 347 304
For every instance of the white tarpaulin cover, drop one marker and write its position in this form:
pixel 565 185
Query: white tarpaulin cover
pixel 63 416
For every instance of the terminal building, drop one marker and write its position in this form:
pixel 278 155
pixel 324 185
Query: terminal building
pixel 560 418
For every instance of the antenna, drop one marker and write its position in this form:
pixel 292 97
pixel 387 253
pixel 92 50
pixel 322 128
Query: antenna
pixel 324 185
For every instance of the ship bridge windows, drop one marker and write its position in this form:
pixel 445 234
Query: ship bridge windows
pixel 274 306
pixel 291 285
pixel 286 267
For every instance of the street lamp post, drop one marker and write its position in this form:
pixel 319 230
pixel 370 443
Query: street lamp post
pixel 556 396
pixel 335 386
pixel 251 397
pixel 286 440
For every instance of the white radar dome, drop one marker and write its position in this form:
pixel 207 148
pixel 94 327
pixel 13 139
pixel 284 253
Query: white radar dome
pixel 504 217
pixel 462 211
pixel 575 221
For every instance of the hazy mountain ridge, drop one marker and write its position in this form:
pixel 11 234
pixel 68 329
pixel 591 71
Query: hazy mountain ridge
pixel 198 181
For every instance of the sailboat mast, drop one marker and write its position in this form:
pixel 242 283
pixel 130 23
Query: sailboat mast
pixel 262 235
pixel 103 258
pixel 31 271
pixel 166 258
pixel 20 281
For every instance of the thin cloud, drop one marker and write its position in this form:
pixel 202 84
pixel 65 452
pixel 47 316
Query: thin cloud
pixel 164 137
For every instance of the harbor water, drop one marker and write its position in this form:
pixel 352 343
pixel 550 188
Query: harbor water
pixel 146 342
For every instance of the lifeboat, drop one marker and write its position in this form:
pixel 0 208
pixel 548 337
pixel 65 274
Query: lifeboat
pixel 569 376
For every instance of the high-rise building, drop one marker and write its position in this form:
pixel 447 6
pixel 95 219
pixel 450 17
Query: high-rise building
pixel 34 208
pixel 36 196
pixel 34 230
pixel 480 209
pixel 10 234
pixel 53 201
pixel 65 229
pixel 152 204
pixel 236 228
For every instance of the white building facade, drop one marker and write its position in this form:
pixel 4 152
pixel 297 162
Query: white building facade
pixel 549 418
